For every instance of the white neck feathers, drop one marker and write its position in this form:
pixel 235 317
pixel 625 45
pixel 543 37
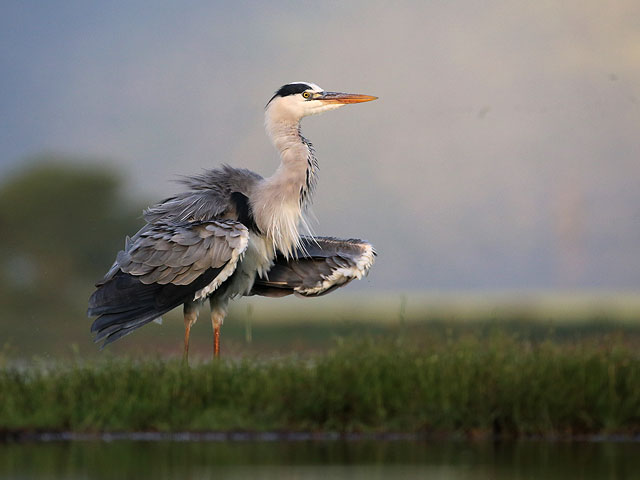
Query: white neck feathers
pixel 279 200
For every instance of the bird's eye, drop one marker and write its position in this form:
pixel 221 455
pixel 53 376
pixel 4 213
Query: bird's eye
pixel 306 94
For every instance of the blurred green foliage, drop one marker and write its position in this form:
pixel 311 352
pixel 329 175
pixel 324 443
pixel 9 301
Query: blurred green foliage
pixel 62 220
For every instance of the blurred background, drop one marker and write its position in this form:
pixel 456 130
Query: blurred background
pixel 500 165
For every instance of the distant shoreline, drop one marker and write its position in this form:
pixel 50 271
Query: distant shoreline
pixel 299 436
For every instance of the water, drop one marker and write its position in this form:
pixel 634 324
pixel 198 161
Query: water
pixel 447 460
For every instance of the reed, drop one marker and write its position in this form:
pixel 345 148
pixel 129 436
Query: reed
pixel 471 385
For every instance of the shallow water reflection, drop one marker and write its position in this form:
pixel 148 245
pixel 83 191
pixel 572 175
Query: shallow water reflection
pixel 450 460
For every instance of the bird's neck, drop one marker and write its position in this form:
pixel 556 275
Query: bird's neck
pixel 283 197
pixel 298 164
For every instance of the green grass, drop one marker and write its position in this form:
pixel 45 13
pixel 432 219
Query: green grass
pixel 465 384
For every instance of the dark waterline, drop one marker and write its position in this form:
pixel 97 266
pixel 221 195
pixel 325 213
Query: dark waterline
pixel 338 459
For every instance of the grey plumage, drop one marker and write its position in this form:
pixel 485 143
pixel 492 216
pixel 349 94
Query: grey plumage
pixel 165 265
pixel 231 233
pixel 321 265
pixel 208 196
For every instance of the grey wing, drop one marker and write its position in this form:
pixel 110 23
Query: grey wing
pixel 165 266
pixel 322 265
pixel 218 194
pixel 210 196
pixel 180 253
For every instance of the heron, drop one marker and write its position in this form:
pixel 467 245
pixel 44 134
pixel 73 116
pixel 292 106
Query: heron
pixel 232 233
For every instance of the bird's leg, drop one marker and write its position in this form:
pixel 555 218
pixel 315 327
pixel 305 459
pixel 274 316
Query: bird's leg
pixel 190 317
pixel 216 320
pixel 218 313
pixel 216 339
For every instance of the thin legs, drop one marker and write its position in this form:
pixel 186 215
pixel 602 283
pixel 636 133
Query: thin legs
pixel 218 312
pixel 216 338
pixel 190 317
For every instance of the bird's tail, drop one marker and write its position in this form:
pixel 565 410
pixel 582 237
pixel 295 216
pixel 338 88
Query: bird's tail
pixel 124 304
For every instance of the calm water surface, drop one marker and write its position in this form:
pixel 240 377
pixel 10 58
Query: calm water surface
pixel 387 460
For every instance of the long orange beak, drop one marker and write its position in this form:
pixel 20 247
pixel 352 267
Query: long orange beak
pixel 344 98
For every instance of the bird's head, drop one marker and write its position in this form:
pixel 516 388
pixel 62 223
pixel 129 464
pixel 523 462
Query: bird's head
pixel 297 100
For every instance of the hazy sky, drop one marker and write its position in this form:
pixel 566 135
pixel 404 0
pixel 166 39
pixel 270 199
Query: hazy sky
pixel 504 151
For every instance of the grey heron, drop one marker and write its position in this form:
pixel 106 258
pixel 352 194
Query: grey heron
pixel 232 233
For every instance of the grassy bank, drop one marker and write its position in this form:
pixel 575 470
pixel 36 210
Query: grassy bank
pixel 498 384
